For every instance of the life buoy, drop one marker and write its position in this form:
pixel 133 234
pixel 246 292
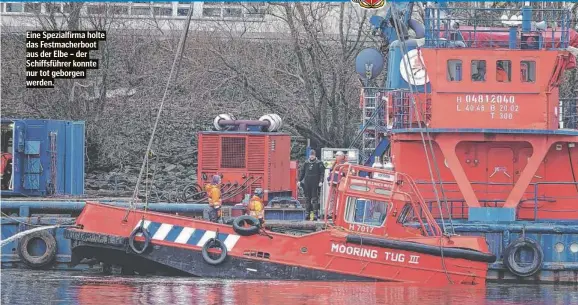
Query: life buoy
pixel 34 261
pixel 240 222
pixel 146 235
pixel 515 267
pixel 214 243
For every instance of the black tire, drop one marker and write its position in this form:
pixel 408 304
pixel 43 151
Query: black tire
pixel 214 243
pixel 239 222
pixel 515 267
pixel 146 235
pixel 37 261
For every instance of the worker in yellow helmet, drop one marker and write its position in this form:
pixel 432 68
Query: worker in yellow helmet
pixel 256 207
pixel 213 190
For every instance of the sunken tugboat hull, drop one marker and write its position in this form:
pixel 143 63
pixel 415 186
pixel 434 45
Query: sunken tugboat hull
pixel 205 249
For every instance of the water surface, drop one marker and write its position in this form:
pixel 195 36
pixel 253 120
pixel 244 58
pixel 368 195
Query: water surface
pixel 53 287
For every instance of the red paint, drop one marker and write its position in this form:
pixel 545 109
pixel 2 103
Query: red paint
pixel 328 250
pixel 252 160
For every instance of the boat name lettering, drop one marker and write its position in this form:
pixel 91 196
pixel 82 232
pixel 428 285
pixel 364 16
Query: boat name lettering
pixel 400 258
pixel 356 251
pixel 360 228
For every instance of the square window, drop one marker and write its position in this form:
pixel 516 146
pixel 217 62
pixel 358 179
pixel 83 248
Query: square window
pixel 503 71
pixel 478 70
pixel 212 12
pixel 528 71
pixel 454 70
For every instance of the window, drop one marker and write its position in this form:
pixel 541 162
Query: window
pixel 528 71
pixel 504 71
pixel 478 70
pixel 14 7
pixel 365 211
pixel 454 70
pixel 233 10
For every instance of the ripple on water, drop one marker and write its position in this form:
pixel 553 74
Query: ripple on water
pixel 50 287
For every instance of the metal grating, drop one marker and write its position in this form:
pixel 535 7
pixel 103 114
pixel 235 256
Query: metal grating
pixel 210 147
pixel 256 158
pixel 233 152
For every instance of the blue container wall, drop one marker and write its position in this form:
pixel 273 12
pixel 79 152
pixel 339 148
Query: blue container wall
pixel 394 64
pixel 32 173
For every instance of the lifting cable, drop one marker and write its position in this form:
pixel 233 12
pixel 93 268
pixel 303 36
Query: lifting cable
pixel 405 60
pixel 177 59
pixel 407 65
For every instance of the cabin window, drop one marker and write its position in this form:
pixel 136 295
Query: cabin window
pixel 478 70
pixel 528 71
pixel 365 211
pixel 454 70
pixel 503 71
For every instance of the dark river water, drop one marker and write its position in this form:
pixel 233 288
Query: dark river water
pixel 34 287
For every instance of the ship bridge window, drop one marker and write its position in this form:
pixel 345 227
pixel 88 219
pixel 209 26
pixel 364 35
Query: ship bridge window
pixel 365 211
pixel 504 71
pixel 528 71
pixel 454 70
pixel 478 70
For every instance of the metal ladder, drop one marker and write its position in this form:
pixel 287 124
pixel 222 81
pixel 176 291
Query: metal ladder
pixel 373 110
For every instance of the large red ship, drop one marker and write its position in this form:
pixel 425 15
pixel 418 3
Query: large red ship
pixel 472 110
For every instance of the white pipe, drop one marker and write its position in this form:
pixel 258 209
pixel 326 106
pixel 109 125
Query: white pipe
pixel 24 233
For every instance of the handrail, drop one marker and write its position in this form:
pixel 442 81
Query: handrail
pixel 534 190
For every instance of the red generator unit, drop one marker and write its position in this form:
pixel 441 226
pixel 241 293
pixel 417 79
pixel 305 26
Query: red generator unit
pixel 245 160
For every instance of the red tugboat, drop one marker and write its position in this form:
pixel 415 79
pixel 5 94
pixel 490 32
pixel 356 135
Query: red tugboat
pixel 366 242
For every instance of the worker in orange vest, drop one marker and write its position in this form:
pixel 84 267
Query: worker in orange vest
pixel 213 190
pixel 501 75
pixel 256 208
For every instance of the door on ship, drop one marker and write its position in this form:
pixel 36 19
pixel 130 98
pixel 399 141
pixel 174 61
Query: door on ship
pixel 500 175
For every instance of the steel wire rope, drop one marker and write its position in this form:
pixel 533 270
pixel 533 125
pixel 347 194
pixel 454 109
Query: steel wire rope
pixel 178 57
pixel 406 64
pixel 434 159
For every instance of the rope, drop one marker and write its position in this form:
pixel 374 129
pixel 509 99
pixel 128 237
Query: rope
pixel 406 64
pixel 178 56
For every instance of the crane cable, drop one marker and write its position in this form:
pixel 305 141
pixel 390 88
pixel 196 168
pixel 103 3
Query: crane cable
pixel 177 59
pixel 435 164
pixel 412 97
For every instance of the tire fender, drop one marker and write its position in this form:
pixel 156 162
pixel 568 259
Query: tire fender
pixel 146 235
pixel 42 260
pixel 239 222
pixel 510 255
pixel 214 243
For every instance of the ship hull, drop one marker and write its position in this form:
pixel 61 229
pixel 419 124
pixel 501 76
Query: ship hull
pixel 176 244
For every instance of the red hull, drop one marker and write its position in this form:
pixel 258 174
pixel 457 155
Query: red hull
pixel 324 255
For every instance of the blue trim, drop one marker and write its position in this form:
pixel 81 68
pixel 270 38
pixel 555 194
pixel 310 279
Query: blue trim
pixel 562 132
pixel 196 237
pixel 174 233
pixel 153 228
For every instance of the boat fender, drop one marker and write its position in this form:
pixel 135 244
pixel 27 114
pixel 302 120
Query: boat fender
pixel 239 225
pixel 147 236
pixel 515 267
pixel 214 243
pixel 34 261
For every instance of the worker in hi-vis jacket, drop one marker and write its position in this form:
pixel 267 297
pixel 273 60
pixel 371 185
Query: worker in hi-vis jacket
pixel 311 179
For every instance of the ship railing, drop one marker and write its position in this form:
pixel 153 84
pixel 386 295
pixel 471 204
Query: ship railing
pixel 535 196
pixel 568 113
pixel 526 28
pixel 404 112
